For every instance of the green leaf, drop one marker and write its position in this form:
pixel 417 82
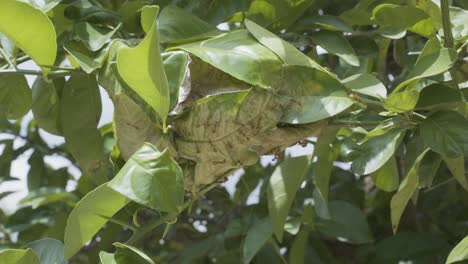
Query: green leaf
pixel 438 96
pixel 15 95
pixel 34 24
pixel 298 248
pixel 459 20
pixel 47 195
pixel 314 108
pixel 406 190
pixel 44 5
pixel 397 16
pixel 327 151
pixel 459 252
pixel 142 257
pixel 402 102
pixel 80 113
pixel 17 256
pixel 94 37
pixel 151 178
pixel 287 52
pixel 88 60
pixel 392 32
pixel 429 65
pixel 365 83
pixel 276 14
pixel 386 178
pixel 360 14
pixel 428 169
pixel 48 250
pixel 445 133
pixel 257 236
pixel 125 255
pixel 376 151
pixel 416 247
pixel 457 168
pixel 336 44
pixel 327 22
pixel 133 127
pixel 176 67
pixel 107 258
pixel 239 55
pixel 282 188
pixel 314 95
pixel 347 223
pixel 146 76
pixel 89 215
pixel 178 26
pixel 46 105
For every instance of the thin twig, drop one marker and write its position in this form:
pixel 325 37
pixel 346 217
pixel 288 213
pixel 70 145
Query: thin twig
pixel 7 58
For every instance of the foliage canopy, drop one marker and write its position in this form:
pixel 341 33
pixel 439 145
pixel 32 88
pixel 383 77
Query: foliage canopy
pixel 204 89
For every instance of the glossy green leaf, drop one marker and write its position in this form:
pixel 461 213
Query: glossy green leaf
pixel 367 84
pixel 44 5
pixel 46 105
pixel 146 77
pixel 428 27
pixel 445 133
pixel 402 102
pixel 151 178
pixel 376 151
pixel 392 32
pixel 459 252
pixel 282 188
pixel 90 215
pixel 457 168
pixel 18 256
pixel 176 67
pixel 287 52
pixel 314 95
pixel 316 108
pixel 88 60
pixel 387 178
pixel 125 255
pixel 15 96
pixel 397 16
pixel 431 64
pixel 142 257
pixel 257 236
pixel 327 151
pixel 277 14
pixel 178 26
pixel 459 20
pixel 438 96
pixel 336 43
pixel 80 113
pixel 347 223
pixel 229 51
pixel 406 190
pixel 93 36
pixel 49 251
pixel 107 258
pixel 33 24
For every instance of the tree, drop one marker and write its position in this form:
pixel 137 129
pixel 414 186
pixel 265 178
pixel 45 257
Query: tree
pixel 202 89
